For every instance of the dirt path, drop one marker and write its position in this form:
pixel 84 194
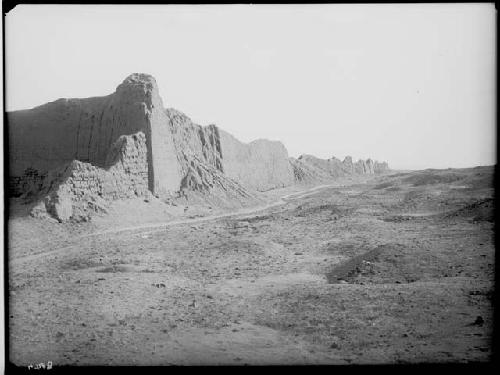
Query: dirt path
pixel 247 212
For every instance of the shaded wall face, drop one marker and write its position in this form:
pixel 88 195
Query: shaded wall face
pixel 54 134
pixel 71 129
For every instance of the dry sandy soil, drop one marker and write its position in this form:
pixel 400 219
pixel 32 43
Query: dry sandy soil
pixel 389 269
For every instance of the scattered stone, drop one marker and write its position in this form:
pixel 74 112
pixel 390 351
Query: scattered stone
pixel 159 285
pixel 479 321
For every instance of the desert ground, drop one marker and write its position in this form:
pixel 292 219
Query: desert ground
pixel 397 268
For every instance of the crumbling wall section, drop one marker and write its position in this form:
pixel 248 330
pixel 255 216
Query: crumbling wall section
pixel 311 168
pixel 193 141
pixel 260 165
pixel 128 175
pixel 52 135
pixel 380 167
pixel 78 189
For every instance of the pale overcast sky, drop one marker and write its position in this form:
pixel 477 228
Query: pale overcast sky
pixel 410 84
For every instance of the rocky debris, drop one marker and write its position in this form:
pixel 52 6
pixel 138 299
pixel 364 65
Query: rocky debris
pixel 59 205
pixel 39 210
pixel 335 211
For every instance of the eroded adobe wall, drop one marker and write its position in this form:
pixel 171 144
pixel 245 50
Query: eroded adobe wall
pixel 78 187
pixel 311 168
pixel 52 135
pixel 126 143
pixel 260 165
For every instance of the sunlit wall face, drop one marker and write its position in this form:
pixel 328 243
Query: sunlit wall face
pixel 410 84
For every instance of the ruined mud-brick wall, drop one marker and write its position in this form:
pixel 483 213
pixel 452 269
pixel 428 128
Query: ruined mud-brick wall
pixel 193 141
pixel 199 155
pixel 260 165
pixel 50 136
pixel 380 167
pixel 304 172
pixel 311 168
pixel 16 186
pixel 127 143
pixel 77 188
pixel 30 180
pixel 328 167
pixel 128 177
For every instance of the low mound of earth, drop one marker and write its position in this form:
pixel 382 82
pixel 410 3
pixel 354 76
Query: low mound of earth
pixel 480 210
pixel 322 276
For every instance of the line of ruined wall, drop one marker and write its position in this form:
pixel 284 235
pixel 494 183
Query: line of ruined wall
pixel 259 165
pixel 171 154
pixel 50 136
pixel 310 168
